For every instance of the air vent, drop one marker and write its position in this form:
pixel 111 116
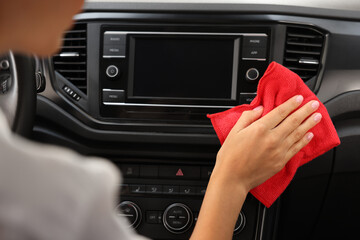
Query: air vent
pixel 71 61
pixel 303 51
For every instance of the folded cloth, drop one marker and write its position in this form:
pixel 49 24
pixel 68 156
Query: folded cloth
pixel 276 86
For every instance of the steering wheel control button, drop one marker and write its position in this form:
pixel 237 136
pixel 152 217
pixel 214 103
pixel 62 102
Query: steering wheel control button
pixel 131 211
pixel 240 223
pixel 71 93
pixel 113 96
pixel 179 172
pixel 247 98
pixel 177 218
pixel 4 65
pixel 255 41
pixel 252 74
pixel 112 71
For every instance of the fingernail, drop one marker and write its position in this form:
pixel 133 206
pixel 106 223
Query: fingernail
pixel 309 136
pixel 299 98
pixel 315 105
pixel 258 108
pixel 317 117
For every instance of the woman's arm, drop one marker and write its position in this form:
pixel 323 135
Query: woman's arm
pixel 255 150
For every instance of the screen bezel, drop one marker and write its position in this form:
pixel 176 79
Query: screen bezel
pixel 168 100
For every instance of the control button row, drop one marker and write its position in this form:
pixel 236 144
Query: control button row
pixel 114 45
pixel 254 48
pixel 166 172
pixel 71 93
pixel 163 189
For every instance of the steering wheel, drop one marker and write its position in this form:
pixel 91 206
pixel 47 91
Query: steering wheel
pixel 18 92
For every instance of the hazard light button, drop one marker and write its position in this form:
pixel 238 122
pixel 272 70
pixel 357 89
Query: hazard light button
pixel 179 172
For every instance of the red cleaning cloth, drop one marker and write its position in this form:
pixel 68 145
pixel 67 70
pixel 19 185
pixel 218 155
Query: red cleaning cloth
pixel 276 86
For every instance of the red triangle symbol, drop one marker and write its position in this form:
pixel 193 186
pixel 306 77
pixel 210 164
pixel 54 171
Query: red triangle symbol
pixel 179 172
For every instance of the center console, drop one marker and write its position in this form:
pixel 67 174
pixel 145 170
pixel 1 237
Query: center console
pixel 177 75
pixel 163 201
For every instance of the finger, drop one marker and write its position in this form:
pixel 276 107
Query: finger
pixel 299 133
pixel 277 115
pixel 248 117
pixel 295 148
pixel 294 120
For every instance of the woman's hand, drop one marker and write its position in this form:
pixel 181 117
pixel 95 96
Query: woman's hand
pixel 256 149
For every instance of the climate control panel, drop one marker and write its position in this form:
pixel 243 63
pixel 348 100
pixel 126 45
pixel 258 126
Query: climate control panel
pixel 177 218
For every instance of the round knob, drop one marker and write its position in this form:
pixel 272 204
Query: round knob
pixel 112 71
pixel 177 218
pixel 252 74
pixel 4 64
pixel 131 211
pixel 240 223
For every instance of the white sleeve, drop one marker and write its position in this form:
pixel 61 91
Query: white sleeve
pixel 48 192
pixel 103 222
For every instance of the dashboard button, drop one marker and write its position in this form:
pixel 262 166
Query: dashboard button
pixel 255 41
pixel 149 171
pixel 114 51
pixel 155 189
pixel 111 96
pixel 137 188
pixel 187 190
pixel 252 74
pixel 254 53
pixel 112 71
pixel 118 39
pixel 177 218
pixel 131 211
pixel 247 98
pixel 130 170
pixel 179 172
pixel 153 217
pixel 171 189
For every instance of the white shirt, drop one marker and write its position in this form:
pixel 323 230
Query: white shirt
pixel 51 193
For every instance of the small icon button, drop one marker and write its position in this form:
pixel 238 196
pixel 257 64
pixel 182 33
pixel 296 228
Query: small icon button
pixel 112 71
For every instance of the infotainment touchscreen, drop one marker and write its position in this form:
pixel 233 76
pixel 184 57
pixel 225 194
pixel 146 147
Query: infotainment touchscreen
pixel 183 67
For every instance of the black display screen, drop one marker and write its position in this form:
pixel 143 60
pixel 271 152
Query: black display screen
pixel 183 67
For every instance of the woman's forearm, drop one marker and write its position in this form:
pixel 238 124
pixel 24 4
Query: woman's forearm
pixel 220 209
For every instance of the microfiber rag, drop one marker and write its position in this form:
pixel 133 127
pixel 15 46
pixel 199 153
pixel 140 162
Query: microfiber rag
pixel 277 85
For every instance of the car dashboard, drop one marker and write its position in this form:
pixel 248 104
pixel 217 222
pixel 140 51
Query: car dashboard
pixel 135 80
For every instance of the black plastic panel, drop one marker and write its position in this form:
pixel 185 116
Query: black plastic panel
pixel 302 201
